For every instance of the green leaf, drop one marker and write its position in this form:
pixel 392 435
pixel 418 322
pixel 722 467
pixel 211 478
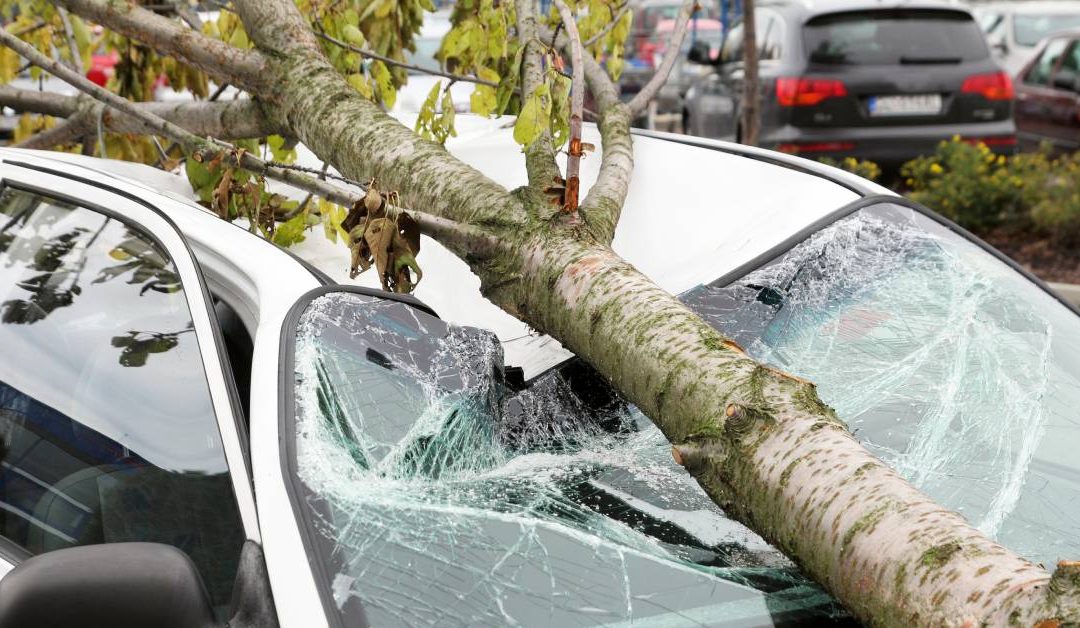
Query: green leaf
pixel 484 98
pixel 560 109
pixel 360 84
pixel 278 150
pixel 353 35
pixel 384 82
pixel 291 231
pixel 198 174
pixel 534 116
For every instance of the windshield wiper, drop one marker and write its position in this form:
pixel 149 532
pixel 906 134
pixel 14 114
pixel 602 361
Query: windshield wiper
pixel 929 60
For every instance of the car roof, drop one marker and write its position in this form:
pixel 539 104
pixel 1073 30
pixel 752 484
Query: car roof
pixel 704 24
pixel 807 9
pixel 696 210
pixel 1031 6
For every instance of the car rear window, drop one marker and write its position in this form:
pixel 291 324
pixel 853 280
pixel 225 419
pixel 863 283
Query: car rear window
pixel 1030 29
pixel 894 37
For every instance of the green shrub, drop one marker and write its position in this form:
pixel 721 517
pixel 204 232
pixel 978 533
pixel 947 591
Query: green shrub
pixel 976 188
pixel 1057 212
pixel 863 168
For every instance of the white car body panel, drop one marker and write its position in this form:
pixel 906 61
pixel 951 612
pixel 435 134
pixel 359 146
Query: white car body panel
pixel 268 281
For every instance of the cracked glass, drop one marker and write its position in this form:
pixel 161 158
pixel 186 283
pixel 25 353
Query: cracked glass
pixel 945 362
pixel 433 492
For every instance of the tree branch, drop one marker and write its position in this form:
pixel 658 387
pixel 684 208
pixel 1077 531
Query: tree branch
pixel 468 240
pixel 607 27
pixel 66 132
pixel 306 93
pixel 603 204
pixel 540 162
pixel 69 37
pixel 218 59
pixel 237 119
pixel 401 64
pixel 577 105
pixel 674 45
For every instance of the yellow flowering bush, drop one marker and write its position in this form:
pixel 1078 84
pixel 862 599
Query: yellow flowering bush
pixel 977 188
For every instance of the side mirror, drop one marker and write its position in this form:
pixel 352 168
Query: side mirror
pixel 699 53
pixel 113 585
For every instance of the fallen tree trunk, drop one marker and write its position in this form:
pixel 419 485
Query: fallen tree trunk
pixel 760 442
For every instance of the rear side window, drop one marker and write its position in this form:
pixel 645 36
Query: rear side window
pixel 894 37
pixel 107 432
pixel 1040 71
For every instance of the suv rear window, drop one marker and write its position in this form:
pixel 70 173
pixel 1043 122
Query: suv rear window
pixel 894 37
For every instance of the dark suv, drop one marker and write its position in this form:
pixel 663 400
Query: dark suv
pixel 884 81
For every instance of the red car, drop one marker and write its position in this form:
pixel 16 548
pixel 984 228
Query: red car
pixel 102 67
pixel 1048 95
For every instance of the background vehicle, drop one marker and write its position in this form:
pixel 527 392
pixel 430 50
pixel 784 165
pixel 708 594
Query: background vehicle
pixel 879 81
pixel 1014 29
pixel 666 108
pixel 649 13
pixel 1048 95
pixel 390 466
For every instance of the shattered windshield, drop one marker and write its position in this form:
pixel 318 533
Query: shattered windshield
pixel 944 361
pixel 433 492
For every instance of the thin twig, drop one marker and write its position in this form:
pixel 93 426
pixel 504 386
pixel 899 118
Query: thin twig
pixel 577 104
pixel 29 28
pixel 69 35
pixel 607 28
pixel 648 92
pixel 401 64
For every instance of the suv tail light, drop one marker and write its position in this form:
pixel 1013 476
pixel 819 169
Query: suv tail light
pixel 806 92
pixel 993 86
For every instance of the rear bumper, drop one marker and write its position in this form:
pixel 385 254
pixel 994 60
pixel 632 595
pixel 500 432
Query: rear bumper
pixel 887 146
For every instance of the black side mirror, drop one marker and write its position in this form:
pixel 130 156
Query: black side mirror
pixel 699 53
pixel 106 586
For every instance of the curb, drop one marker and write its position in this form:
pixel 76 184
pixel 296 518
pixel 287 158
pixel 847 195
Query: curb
pixel 1070 291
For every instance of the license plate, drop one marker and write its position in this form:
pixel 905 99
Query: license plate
pixel 906 105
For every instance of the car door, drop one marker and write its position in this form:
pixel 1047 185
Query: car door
pixel 1063 121
pixel 118 421
pixel 1036 98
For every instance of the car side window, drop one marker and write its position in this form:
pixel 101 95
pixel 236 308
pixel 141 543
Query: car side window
pixel 770 42
pixel 1067 75
pixel 107 431
pixel 733 45
pixel 1040 71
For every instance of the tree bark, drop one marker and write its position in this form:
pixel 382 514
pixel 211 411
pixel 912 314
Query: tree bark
pixel 760 442
pixel 751 92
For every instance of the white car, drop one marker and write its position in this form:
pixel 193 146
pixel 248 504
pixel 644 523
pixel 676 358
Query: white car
pixel 1014 29
pixel 184 404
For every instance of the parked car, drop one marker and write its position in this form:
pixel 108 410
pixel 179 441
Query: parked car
pixel 667 105
pixel 1014 29
pixel 1048 96
pixel 183 403
pixel 649 13
pixel 885 81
